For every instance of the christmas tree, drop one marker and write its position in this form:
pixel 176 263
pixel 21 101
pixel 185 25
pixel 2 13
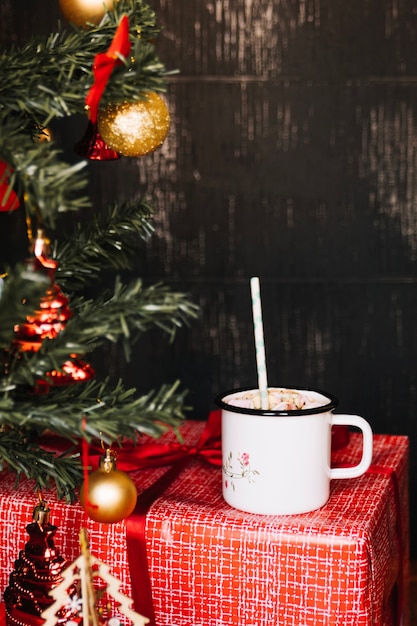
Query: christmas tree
pixel 56 311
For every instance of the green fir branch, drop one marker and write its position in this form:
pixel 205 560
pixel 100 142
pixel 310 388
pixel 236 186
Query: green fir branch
pixel 112 413
pixel 50 78
pixel 94 412
pixel 47 469
pixel 129 312
pixel 109 241
pixel 123 316
pixel 141 73
pixel 45 184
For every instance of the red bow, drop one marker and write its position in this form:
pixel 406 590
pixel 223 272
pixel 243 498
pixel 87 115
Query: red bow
pixel 209 448
pixel 132 456
pixel 104 64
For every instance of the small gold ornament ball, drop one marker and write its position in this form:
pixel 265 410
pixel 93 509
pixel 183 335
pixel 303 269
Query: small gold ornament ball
pixel 111 496
pixel 134 129
pixel 79 12
pixel 45 135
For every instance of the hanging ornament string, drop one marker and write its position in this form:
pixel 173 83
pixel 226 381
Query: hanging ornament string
pixel 85 465
pixel 104 64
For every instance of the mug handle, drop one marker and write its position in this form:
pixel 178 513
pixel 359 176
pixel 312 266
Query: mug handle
pixel 367 446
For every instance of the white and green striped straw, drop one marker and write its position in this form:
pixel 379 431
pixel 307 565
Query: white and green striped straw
pixel 259 341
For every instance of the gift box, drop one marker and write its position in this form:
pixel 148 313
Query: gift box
pixel 188 559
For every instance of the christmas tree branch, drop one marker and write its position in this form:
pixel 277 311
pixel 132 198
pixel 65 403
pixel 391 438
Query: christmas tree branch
pixel 46 184
pixel 129 312
pixel 124 316
pixel 113 413
pixel 46 468
pixel 107 242
pixel 51 78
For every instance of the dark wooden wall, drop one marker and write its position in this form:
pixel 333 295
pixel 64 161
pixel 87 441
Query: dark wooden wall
pixel 292 156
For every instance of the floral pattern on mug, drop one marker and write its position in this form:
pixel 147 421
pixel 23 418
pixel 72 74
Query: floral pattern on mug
pixel 243 471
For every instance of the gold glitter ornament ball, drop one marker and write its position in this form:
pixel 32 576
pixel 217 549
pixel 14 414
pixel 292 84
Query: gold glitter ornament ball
pixel 134 129
pixel 79 12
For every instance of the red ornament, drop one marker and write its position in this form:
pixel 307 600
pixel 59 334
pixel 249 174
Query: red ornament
pixel 93 147
pixel 8 198
pixel 74 371
pixel 47 322
pixel 37 571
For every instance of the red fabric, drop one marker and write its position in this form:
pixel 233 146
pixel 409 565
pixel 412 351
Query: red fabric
pixel 104 64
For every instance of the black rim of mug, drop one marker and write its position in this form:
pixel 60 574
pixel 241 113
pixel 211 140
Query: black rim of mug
pixel 324 408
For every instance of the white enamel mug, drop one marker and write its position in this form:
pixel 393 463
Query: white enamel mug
pixel 277 461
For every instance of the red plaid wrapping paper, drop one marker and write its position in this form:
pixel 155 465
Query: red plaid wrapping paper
pixel 211 565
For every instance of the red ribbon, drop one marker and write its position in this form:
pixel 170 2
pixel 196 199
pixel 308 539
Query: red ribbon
pixel 133 456
pixel 104 64
pixel 207 448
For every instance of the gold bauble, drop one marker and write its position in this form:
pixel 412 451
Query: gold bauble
pixel 112 494
pixel 134 129
pixel 79 12
pixel 45 135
